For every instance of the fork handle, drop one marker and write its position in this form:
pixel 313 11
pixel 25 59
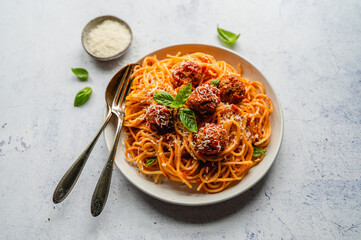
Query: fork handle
pixel 101 190
pixel 69 179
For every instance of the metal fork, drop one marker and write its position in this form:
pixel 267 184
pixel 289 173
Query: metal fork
pixel 71 176
pixel 101 190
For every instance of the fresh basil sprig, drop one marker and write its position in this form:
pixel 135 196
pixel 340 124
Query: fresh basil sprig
pixel 257 152
pixel 215 82
pixel 150 161
pixel 188 119
pixel 82 96
pixel 187 116
pixel 167 99
pixel 81 73
pixel 227 36
pixel 183 95
pixel 164 98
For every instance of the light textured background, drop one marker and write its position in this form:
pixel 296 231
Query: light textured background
pixel 309 50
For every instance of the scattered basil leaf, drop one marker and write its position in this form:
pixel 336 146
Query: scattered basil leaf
pixel 227 36
pixel 183 95
pixel 215 82
pixel 82 96
pixel 81 73
pixel 257 152
pixel 188 119
pixel 164 98
pixel 150 161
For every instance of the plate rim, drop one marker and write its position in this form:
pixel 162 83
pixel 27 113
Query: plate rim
pixel 236 193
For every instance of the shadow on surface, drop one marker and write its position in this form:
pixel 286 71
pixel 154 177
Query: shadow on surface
pixel 231 46
pixel 108 65
pixel 204 214
pixel 112 64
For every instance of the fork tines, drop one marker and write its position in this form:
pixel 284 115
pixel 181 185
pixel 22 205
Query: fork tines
pixel 124 87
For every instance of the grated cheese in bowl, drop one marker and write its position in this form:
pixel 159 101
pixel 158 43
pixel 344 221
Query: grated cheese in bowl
pixel 106 38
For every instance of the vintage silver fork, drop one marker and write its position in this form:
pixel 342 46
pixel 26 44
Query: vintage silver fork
pixel 69 179
pixel 101 190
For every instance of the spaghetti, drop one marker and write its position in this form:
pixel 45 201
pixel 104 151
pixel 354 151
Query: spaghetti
pixel 175 154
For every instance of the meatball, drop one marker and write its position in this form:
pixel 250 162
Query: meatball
pixel 204 99
pixel 187 72
pixel 159 118
pixel 232 89
pixel 210 139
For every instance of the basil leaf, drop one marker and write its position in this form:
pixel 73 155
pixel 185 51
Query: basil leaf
pixel 188 119
pixel 150 161
pixel 164 98
pixel 257 152
pixel 215 82
pixel 183 95
pixel 81 73
pixel 227 36
pixel 82 96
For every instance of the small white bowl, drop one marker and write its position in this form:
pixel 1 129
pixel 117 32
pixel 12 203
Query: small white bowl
pixel 95 22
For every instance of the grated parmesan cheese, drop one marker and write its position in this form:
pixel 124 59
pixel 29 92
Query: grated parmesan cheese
pixel 108 38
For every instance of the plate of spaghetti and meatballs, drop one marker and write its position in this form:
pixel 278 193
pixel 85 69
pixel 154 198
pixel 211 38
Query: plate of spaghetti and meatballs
pixel 202 125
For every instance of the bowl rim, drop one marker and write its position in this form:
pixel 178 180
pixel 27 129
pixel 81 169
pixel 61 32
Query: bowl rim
pixel 85 31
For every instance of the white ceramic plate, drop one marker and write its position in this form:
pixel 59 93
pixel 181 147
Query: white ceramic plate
pixel 178 193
